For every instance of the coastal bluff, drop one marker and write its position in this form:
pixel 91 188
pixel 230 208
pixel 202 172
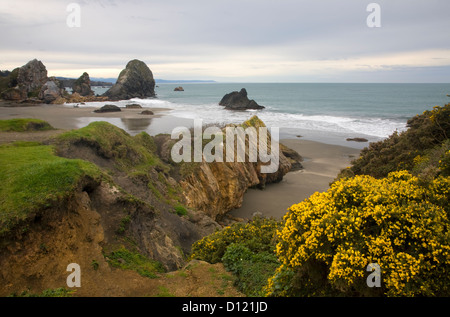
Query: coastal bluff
pixel 109 202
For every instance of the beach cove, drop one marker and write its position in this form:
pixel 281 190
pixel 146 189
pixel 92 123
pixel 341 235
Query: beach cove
pixel 322 162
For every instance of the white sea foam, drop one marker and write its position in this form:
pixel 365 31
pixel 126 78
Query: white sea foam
pixel 215 114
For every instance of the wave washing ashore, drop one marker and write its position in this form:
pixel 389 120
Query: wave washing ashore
pixel 328 113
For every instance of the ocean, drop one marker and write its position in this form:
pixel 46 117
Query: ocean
pixel 328 113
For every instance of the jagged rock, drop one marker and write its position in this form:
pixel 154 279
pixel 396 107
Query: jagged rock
pixel 32 76
pixel 179 89
pixel 293 157
pixel 218 187
pixel 108 108
pixel 14 94
pixel 51 91
pixel 25 81
pixel 239 101
pixel 135 81
pixel 83 85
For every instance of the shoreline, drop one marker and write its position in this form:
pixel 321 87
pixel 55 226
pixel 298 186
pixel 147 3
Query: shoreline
pixel 322 163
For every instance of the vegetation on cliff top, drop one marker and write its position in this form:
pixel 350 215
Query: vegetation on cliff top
pixel 33 177
pixel 24 125
pixel 426 139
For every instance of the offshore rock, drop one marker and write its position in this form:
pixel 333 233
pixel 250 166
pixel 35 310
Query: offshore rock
pixel 239 101
pixel 83 85
pixel 135 81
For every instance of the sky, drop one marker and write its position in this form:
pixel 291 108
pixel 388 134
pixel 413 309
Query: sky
pixel 233 40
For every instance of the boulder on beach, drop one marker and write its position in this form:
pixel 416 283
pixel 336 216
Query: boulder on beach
pixel 83 85
pixel 135 81
pixel 179 89
pixel 108 108
pixel 133 106
pixel 147 112
pixel 239 101
pixel 51 91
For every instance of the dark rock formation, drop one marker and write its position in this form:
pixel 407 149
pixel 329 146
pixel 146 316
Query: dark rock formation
pixel 179 89
pixel 358 139
pixel 135 81
pixel 108 108
pixel 239 101
pixel 147 112
pixel 83 85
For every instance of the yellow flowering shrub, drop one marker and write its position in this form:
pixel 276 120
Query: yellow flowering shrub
pixel 397 222
pixel 257 235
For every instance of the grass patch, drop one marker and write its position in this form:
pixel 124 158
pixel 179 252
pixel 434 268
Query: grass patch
pixel 132 260
pixel 131 154
pixel 180 210
pixel 32 178
pixel 24 125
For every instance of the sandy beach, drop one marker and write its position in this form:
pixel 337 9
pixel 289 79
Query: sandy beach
pixel 322 163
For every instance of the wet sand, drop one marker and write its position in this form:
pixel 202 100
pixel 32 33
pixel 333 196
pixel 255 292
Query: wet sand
pixel 322 163
pixel 67 118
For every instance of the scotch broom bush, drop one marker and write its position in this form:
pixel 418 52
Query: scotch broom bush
pixel 398 222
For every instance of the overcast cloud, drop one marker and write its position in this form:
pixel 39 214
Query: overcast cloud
pixel 233 40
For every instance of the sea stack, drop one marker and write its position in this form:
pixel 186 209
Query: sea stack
pixel 135 81
pixel 239 101
pixel 83 85
pixel 26 81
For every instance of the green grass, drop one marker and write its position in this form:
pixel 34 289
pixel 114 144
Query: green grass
pixel 131 154
pixel 32 178
pixel 24 125
pixel 131 260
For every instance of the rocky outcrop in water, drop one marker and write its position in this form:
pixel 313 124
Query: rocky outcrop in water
pixel 83 85
pixel 135 81
pixel 239 101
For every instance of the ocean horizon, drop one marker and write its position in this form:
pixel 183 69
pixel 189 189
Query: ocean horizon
pixel 324 112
